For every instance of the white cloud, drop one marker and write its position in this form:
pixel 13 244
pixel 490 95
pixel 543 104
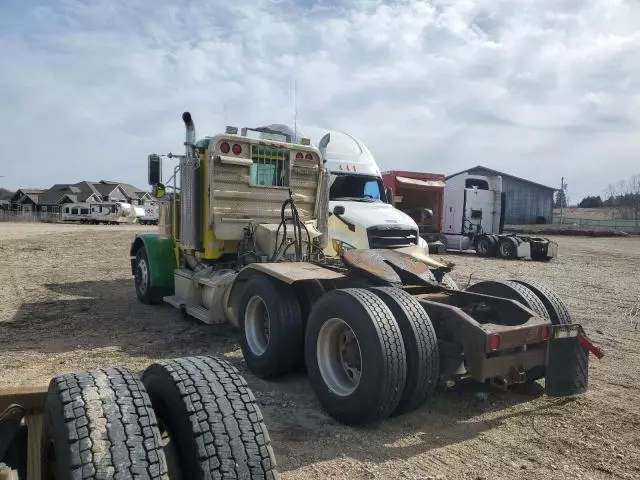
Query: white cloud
pixel 541 89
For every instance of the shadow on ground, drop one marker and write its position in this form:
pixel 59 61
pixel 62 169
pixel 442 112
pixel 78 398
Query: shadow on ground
pixel 107 313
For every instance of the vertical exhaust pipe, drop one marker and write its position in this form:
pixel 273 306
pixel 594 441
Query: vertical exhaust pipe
pixel 190 184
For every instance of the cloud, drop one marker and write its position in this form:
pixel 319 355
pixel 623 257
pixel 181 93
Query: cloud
pixel 542 89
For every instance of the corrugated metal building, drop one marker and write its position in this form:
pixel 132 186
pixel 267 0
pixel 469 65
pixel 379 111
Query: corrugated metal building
pixel 525 200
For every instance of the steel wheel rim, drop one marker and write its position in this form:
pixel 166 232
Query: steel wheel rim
pixel 257 325
pixel 483 246
pixel 142 276
pixel 505 249
pixel 339 357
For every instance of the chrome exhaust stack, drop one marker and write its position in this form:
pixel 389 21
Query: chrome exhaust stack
pixel 190 211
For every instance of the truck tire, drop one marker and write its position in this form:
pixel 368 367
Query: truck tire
pixel 486 246
pixel 100 424
pixel 448 282
pixel 147 294
pixel 270 320
pixel 212 419
pixel 308 294
pixel 420 344
pixel 558 312
pixel 348 328
pixel 512 290
pixel 508 247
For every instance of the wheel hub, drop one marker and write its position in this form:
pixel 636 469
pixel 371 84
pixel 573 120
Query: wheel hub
pixel 339 357
pixel 142 276
pixel 257 325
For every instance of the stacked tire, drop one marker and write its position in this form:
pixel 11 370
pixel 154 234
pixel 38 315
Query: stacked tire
pixel 191 417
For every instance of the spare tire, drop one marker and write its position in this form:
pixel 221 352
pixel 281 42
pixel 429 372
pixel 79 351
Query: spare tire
pixel 100 424
pixel 212 418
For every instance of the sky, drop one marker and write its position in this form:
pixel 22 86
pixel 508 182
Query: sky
pixel 537 88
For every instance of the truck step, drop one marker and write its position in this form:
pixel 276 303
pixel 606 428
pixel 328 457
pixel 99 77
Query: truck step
pixel 174 301
pixel 200 313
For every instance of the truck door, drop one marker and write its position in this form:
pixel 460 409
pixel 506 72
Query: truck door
pixel 479 210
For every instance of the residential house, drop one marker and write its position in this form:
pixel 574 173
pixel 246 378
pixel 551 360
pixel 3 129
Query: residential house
pixel 49 201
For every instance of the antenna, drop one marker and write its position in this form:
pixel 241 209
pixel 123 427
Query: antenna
pixel 295 107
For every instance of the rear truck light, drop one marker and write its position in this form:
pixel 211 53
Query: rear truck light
pixel 544 333
pixel 224 147
pixel 576 331
pixel 237 149
pixel 493 342
pixel 308 157
pixel 299 156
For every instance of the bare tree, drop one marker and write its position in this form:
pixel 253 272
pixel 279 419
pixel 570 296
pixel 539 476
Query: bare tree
pixel 625 197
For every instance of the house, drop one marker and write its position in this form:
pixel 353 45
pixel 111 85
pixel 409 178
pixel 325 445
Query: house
pixel 49 201
pixel 526 202
pixel 26 200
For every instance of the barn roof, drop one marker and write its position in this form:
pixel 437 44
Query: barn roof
pixel 480 168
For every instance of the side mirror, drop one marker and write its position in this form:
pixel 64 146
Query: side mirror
pixel 388 193
pixel 155 169
pixel 338 210
pixel 427 213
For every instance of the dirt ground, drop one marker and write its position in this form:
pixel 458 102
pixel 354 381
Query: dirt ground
pixel 67 302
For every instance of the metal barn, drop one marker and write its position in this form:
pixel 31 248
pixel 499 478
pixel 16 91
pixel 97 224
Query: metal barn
pixel 526 201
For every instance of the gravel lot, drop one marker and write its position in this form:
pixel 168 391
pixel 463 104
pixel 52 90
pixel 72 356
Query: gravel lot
pixel 67 302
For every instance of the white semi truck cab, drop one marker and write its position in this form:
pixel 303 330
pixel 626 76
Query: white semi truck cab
pixel 474 212
pixel 360 214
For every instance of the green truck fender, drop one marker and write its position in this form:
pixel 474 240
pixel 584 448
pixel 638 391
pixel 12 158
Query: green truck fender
pixel 161 257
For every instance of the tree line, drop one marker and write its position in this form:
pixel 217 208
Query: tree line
pixel 624 197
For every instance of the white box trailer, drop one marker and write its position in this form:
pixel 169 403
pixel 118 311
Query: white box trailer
pixel 110 213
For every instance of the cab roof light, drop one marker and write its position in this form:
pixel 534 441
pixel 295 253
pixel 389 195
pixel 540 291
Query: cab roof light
pixel 231 130
pixel 305 141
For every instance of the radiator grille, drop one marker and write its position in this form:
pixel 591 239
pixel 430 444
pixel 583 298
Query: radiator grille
pixel 391 236
pixel 270 166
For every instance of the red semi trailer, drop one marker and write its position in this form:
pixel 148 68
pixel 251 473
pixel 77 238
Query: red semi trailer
pixel 416 192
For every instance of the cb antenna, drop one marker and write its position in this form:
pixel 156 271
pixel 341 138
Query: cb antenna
pixel 295 108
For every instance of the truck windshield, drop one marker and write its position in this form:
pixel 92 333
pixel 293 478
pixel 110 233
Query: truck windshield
pixel 356 187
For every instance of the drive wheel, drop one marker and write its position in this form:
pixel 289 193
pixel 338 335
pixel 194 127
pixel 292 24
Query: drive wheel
pixel 508 247
pixel 556 309
pixel 271 324
pixel 211 419
pixel 100 424
pixel 355 356
pixel 512 290
pixel 486 246
pixel 421 347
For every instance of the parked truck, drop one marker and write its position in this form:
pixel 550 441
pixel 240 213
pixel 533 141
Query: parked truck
pixel 464 213
pixel 361 213
pixel 242 240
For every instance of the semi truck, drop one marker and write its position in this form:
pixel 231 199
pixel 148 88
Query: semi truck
pixel 242 240
pixel 464 213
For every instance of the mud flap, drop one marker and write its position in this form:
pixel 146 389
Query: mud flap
pixel 568 361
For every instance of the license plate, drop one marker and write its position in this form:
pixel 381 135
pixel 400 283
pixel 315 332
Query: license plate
pixel 566 331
